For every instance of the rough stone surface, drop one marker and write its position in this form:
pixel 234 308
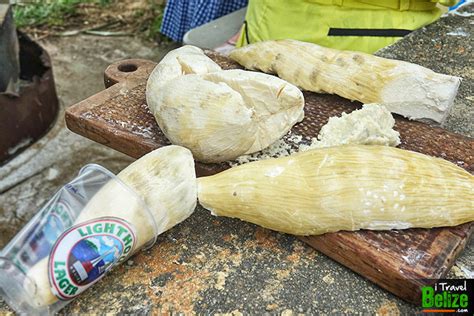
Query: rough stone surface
pixel 206 264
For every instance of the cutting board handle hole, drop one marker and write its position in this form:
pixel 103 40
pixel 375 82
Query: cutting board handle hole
pixel 127 67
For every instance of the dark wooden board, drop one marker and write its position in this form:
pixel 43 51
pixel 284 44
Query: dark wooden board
pixel 398 261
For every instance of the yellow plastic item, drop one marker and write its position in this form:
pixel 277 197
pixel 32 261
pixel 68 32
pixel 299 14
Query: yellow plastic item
pixel 361 25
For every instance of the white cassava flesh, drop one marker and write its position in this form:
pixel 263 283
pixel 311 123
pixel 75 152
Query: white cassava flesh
pixel 220 114
pixel 208 118
pixel 371 125
pixel 343 188
pixel 404 88
pixel 276 105
pixel 164 178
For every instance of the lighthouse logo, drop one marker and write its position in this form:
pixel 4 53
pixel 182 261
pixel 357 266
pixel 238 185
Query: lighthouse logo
pixel 85 252
pixel 41 237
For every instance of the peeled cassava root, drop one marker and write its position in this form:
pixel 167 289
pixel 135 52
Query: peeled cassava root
pixel 404 88
pixel 219 114
pixel 343 188
pixel 165 180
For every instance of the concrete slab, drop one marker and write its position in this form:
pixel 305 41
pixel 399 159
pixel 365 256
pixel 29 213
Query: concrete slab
pixel 239 265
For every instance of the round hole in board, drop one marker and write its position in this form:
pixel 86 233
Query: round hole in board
pixel 127 67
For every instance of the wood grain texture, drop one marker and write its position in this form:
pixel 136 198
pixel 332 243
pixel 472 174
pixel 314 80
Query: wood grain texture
pixel 398 261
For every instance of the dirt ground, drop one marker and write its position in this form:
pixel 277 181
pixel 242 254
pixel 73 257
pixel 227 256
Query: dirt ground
pixel 32 177
pixel 138 17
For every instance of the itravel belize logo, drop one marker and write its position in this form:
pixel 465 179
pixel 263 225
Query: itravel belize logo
pixel 85 252
pixel 449 296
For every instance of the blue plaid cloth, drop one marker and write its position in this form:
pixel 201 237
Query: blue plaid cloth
pixel 182 15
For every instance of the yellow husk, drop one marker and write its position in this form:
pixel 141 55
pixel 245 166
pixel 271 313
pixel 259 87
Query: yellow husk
pixel 343 188
pixel 405 88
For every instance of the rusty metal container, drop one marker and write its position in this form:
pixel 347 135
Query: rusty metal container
pixel 27 115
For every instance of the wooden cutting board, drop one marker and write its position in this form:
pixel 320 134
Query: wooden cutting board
pixel 398 261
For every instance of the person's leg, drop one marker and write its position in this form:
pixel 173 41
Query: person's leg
pixel 183 15
pixel 176 19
